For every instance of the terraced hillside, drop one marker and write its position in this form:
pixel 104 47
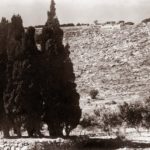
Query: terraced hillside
pixel 116 62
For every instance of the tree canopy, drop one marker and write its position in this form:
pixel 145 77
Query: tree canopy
pixel 36 86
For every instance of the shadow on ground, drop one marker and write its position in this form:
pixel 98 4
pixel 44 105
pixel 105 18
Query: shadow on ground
pixel 95 144
pixel 79 143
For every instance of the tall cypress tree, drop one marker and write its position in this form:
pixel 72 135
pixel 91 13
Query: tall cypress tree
pixel 32 103
pixel 23 102
pixel 52 18
pixel 59 89
pixel 12 93
pixel 3 61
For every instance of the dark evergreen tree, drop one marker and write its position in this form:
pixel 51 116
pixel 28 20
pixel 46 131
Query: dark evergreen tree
pixel 23 102
pixel 52 18
pixel 12 91
pixel 3 61
pixel 71 111
pixel 61 99
pixel 36 84
pixel 31 91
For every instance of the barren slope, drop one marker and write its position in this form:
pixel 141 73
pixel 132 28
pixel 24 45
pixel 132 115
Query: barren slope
pixel 116 62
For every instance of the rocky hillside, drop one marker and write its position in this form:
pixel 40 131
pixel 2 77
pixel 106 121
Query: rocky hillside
pixel 116 62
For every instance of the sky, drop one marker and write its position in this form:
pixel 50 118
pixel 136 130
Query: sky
pixel 34 12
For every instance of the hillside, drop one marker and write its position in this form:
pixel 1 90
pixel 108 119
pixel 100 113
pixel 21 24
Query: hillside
pixel 116 62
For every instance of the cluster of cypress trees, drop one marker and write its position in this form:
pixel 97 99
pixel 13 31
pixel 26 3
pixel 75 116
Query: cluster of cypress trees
pixel 36 86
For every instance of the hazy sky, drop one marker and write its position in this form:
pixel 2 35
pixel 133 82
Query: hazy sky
pixel 34 12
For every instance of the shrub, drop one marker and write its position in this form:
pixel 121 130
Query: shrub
pixel 88 121
pixel 82 24
pixel 107 118
pixel 121 22
pixel 78 24
pixel 147 20
pixel 96 22
pixel 132 113
pixel 111 120
pixel 93 93
pixel 129 23
pixel 67 25
pixel 111 103
pixel 146 114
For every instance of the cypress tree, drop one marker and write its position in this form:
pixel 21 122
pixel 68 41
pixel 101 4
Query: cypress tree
pixel 32 103
pixel 3 61
pixel 52 18
pixel 23 102
pixel 12 92
pixel 61 99
pixel 37 83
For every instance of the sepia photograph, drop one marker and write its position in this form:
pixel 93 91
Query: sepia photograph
pixel 74 74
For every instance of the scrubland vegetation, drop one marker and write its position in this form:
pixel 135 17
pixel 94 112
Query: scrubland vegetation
pixel 127 115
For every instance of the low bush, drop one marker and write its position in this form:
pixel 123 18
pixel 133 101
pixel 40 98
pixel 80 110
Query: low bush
pixel 67 25
pixel 93 94
pixel 147 20
pixel 129 23
pixel 107 118
pixel 88 121
pixel 132 113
